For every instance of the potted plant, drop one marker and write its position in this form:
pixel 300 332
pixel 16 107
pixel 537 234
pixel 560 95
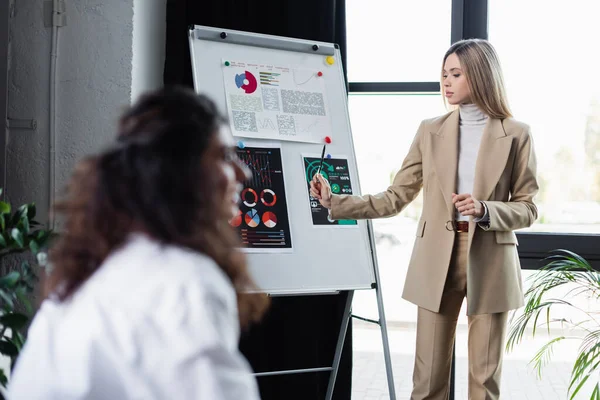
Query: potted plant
pixel 22 242
pixel 563 268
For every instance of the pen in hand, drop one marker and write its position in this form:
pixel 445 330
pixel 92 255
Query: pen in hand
pixel 322 157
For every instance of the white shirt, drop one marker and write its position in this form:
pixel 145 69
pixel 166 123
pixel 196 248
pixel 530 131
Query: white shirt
pixel 472 123
pixel 154 322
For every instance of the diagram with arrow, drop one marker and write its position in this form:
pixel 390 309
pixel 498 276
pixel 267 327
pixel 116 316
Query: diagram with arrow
pixel 335 170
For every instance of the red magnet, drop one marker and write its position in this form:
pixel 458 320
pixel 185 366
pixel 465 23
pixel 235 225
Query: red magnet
pixel 327 139
pixel 319 73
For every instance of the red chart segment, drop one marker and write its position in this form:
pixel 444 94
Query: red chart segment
pixel 249 197
pixel 269 219
pixel 237 220
pixel 268 197
pixel 252 218
pixel 247 82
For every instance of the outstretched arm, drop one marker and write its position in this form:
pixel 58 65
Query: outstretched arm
pixel 405 187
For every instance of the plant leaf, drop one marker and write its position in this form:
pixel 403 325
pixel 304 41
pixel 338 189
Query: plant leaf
pixel 18 340
pixel 544 355
pixel 4 207
pixel 596 392
pixel 7 299
pixel 17 235
pixel 34 247
pixel 571 272
pixel 25 222
pixel 14 321
pixel 24 300
pixel 14 219
pixel 3 378
pixel 8 349
pixel 31 211
pixel 42 237
pixel 583 381
pixel 10 279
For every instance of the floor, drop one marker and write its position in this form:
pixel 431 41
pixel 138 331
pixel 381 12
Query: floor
pixel 519 381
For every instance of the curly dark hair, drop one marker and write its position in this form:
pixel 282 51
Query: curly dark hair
pixel 151 181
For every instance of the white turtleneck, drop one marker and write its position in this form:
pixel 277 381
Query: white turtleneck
pixel 472 122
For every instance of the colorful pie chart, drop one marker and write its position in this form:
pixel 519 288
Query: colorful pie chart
pixel 252 218
pixel 269 219
pixel 246 82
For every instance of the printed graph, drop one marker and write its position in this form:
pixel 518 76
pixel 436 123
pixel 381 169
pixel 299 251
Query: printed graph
pixel 259 163
pixel 263 221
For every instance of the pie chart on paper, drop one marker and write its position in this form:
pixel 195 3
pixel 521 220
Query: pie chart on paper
pixel 252 218
pixel 237 220
pixel 269 219
pixel 246 81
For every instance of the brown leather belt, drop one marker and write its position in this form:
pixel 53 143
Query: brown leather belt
pixel 458 226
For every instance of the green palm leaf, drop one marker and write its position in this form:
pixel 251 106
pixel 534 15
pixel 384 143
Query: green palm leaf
pixel 563 268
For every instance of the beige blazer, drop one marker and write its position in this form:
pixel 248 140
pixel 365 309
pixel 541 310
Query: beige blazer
pixel 505 179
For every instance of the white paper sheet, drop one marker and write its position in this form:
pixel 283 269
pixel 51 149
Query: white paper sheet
pixel 276 102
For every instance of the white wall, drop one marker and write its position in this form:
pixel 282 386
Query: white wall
pixel 94 83
pixel 149 26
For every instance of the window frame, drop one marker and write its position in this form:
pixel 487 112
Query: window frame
pixel 470 20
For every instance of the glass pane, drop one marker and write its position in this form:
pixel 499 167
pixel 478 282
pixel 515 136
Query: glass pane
pixel 397 40
pixel 551 75
pixel 383 127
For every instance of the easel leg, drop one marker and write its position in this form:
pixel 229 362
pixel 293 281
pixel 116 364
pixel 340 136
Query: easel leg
pixel 386 343
pixel 382 321
pixel 340 344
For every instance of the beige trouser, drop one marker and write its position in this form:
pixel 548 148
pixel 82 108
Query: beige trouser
pixel 435 340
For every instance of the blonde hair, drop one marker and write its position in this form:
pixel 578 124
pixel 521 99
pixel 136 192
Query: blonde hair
pixel 481 67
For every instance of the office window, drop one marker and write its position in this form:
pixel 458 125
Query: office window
pixel 550 59
pixel 391 42
pixel 396 40
pixel 383 127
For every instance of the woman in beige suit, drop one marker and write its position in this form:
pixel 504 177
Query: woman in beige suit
pixel 477 167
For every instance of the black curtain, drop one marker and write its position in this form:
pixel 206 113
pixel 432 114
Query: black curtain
pixel 300 331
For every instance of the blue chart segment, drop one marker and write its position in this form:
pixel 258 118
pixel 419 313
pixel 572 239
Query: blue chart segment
pixel 252 219
pixel 263 204
pixel 335 170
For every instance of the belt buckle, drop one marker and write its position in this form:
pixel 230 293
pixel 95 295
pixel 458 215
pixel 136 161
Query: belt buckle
pixel 452 225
